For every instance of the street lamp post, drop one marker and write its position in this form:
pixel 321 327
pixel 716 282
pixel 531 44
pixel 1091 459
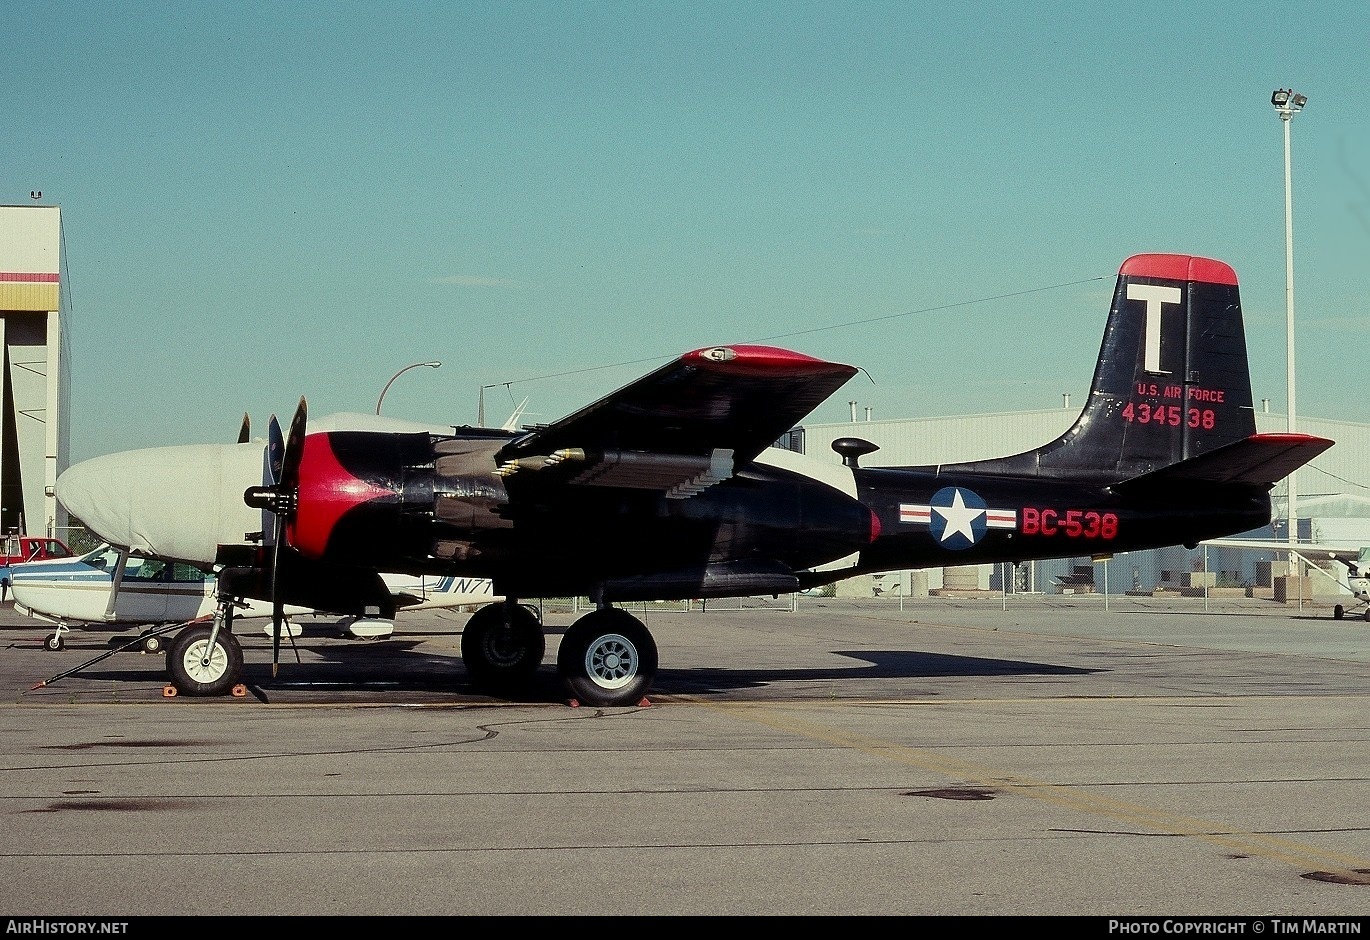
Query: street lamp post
pixel 412 365
pixel 1287 104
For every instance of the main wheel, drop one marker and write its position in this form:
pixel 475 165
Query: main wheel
pixel 501 653
pixel 607 658
pixel 1338 612
pixel 196 668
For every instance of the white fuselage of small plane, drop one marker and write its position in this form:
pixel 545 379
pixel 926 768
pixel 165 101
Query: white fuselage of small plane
pixel 152 591
pixel 1356 558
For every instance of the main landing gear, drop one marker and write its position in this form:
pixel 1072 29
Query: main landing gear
pixel 607 657
pixel 150 640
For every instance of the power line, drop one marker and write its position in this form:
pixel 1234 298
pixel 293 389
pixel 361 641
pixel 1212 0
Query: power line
pixel 818 329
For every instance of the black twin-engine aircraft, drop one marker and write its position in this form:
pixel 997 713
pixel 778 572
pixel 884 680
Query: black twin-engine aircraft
pixel 669 488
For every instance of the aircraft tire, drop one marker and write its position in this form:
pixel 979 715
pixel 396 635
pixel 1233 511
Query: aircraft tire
pixel 54 643
pixel 191 674
pixel 497 657
pixel 607 658
pixel 1338 612
pixel 152 644
pixel 1366 616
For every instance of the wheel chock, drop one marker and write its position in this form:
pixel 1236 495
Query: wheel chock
pixel 239 691
pixel 643 702
pixel 168 691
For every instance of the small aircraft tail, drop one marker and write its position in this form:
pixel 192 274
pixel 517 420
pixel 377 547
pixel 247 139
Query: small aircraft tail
pixel 1171 386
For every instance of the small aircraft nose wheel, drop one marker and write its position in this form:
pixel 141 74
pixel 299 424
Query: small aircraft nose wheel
pixel 55 643
pixel 1338 612
pixel 152 644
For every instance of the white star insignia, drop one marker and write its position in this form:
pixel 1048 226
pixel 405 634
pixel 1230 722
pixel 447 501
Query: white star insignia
pixel 959 517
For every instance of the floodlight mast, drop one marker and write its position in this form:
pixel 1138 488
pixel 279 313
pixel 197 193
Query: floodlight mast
pixel 1287 103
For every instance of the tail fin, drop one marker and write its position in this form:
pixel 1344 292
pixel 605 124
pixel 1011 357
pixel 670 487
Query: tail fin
pixel 1172 381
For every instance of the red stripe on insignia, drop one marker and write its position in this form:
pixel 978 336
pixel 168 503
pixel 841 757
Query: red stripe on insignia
pixel 915 513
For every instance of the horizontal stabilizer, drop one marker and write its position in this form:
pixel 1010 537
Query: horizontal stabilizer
pixel 1259 459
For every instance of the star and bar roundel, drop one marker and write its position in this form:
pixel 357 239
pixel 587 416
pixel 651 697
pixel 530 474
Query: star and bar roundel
pixel 958 517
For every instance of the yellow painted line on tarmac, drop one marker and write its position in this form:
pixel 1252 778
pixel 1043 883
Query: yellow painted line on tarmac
pixel 1296 854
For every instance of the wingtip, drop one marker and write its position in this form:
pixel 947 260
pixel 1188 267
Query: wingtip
pixel 755 358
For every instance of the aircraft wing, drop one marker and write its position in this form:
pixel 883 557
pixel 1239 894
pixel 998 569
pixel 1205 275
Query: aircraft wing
pixel 1313 552
pixel 687 425
pixel 1260 458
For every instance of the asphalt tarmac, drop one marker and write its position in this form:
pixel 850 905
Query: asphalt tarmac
pixel 1030 755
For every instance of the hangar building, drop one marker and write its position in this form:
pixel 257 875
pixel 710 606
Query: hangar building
pixel 33 413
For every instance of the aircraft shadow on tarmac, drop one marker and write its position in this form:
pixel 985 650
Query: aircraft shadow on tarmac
pixel 342 671
pixel 883 665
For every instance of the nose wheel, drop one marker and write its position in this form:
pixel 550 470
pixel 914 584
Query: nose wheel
pixel 204 659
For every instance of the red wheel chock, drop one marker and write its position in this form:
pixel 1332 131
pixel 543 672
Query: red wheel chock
pixel 643 702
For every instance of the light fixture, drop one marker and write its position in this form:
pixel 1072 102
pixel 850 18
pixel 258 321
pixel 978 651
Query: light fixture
pixel 1287 101
pixel 412 365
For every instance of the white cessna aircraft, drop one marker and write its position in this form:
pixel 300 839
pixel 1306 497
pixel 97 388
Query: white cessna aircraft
pixel 1356 558
pixel 110 587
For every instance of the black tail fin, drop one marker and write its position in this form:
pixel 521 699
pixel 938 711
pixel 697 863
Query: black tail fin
pixel 1172 380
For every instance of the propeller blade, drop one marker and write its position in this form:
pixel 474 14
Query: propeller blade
pixel 279 494
pixel 294 448
pixel 275 452
pixel 271 475
pixel 245 432
pixel 287 487
pixel 277 608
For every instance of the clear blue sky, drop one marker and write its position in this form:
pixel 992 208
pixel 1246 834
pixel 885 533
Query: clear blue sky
pixel 268 200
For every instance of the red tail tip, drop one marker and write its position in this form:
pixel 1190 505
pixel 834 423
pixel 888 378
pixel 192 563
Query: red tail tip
pixel 1179 268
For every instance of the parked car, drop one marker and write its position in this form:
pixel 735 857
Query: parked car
pixel 20 548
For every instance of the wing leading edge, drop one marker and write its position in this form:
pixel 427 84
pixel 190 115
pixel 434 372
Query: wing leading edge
pixel 683 427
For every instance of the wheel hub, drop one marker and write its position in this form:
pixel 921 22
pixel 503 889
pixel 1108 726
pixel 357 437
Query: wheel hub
pixel 612 661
